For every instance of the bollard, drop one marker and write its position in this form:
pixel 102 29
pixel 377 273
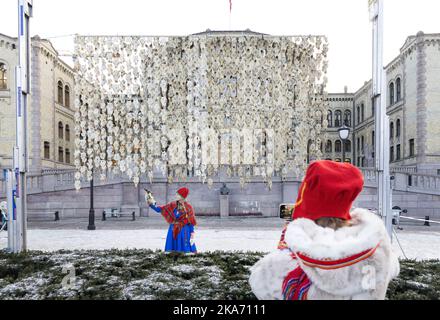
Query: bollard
pixel 103 216
pixel 427 221
pixel 57 216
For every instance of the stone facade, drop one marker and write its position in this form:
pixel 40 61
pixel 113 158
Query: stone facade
pixel 50 116
pixel 413 105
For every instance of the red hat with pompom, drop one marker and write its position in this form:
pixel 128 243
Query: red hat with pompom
pixel 184 192
pixel 328 190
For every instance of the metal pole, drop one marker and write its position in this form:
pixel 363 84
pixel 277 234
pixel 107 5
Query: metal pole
pixel 382 163
pixel 23 86
pixel 343 150
pixel 10 192
pixel 91 225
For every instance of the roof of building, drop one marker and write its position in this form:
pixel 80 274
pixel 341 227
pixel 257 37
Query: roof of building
pixel 229 32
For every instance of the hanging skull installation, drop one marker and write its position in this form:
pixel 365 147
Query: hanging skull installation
pixel 198 104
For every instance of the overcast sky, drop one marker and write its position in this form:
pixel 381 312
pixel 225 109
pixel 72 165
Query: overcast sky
pixel 345 22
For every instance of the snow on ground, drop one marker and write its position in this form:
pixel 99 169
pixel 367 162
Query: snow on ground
pixel 417 245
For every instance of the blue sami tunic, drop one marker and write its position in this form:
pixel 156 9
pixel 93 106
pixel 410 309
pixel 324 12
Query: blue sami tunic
pixel 183 241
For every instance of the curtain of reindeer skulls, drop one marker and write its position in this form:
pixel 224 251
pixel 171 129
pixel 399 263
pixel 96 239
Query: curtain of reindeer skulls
pixel 192 106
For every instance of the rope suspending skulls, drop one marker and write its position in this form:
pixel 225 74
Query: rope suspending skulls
pixel 422 220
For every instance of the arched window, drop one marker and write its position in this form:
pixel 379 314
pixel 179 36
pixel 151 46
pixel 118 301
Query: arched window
pixel 338 146
pixel 347 146
pixel 67 156
pixel 46 150
pixel 391 90
pixel 309 145
pixel 60 92
pixel 3 77
pixel 60 130
pixel 399 89
pixel 330 118
pixel 347 118
pixel 338 118
pixel 67 132
pixel 362 144
pixel 398 128
pixel 362 112
pixel 67 96
pixel 358 114
pixel 391 130
pixel 60 154
pixel 329 146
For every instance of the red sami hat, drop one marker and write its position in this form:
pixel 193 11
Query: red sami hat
pixel 328 190
pixel 184 192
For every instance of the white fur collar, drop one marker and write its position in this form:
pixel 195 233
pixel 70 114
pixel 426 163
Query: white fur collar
pixel 305 236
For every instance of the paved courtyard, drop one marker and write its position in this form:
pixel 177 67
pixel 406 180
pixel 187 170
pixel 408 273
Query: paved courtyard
pixel 233 234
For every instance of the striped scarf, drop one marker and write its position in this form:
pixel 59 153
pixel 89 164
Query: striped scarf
pixel 296 285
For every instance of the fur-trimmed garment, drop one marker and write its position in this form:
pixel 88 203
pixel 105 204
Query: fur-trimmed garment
pixel 363 280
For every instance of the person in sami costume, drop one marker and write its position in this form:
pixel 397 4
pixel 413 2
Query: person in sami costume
pixel 328 252
pixel 180 215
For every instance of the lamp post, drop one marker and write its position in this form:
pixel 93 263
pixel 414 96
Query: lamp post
pixel 344 133
pixel 91 225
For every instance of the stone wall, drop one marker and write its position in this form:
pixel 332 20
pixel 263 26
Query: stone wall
pixel 255 199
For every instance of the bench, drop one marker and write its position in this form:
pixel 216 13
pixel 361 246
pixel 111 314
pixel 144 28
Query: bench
pixel 38 215
pixel 116 213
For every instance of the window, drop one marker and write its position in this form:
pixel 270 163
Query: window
pixel 330 118
pixel 411 148
pixel 363 144
pixel 338 146
pixel 309 144
pixel 373 109
pixel 348 146
pixel 362 112
pixel 358 114
pixel 358 145
pixel 328 146
pixel 60 154
pixel 68 156
pixel 60 92
pixel 398 153
pixel 3 77
pixel 67 132
pixel 338 119
pixel 67 96
pixel 391 89
pixel 391 154
pixel 46 150
pixel 363 162
pixel 347 118
pixel 373 138
pixel 399 89
pixel 398 128
pixel 391 130
pixel 60 130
